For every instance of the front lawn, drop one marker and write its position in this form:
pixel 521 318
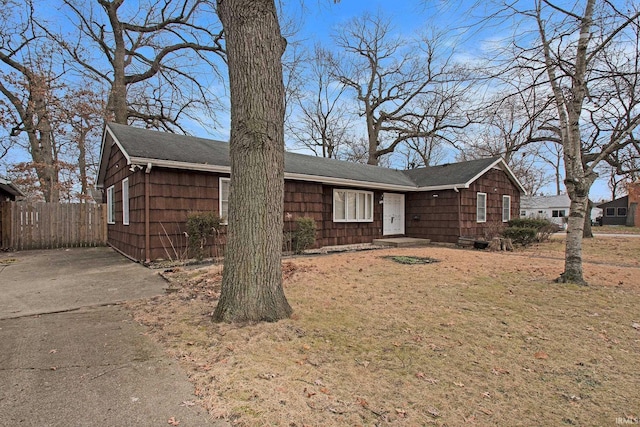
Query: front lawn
pixel 477 338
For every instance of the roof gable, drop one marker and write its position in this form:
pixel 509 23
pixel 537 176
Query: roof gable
pixel 142 146
pixel 462 173
pixel 545 202
pixel 619 202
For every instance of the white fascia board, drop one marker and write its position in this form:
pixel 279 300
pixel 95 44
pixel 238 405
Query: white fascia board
pixel 105 151
pixel 502 165
pixel 293 176
pixel 144 161
pixel 348 182
pixel 513 177
pixel 482 172
pixel 454 187
pixel 115 140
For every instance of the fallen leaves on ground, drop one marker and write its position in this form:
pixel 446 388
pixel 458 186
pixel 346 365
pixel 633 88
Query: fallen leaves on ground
pixel 371 342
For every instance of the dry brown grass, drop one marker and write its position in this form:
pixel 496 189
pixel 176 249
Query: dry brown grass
pixel 616 229
pixel 478 338
pixel 599 250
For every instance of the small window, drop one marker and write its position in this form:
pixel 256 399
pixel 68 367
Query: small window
pixel 506 208
pixel 481 207
pixel 111 206
pixel 560 213
pixel 125 201
pixel 610 212
pixel 523 213
pixel 622 211
pixel 352 206
pixel 224 199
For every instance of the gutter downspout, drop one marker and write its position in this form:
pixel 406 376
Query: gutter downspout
pixel 459 210
pixel 147 236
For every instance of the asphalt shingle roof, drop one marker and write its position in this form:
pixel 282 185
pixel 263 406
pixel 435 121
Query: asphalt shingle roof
pixel 544 202
pixel 155 145
pixel 451 173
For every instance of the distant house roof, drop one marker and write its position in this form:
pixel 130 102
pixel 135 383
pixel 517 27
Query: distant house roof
pixel 10 188
pixel 619 202
pixel 545 202
pixel 161 149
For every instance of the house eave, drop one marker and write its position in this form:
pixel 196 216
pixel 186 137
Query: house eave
pixel 348 182
pixel 287 175
pixel 143 161
pixel 10 188
pixel 454 187
pixel 105 151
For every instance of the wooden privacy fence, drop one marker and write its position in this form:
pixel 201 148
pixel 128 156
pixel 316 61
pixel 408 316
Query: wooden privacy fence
pixel 39 225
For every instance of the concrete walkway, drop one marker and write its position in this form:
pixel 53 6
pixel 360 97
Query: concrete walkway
pixel 70 357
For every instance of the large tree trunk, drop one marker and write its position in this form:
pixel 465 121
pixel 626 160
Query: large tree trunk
pixel 40 136
pixel 252 278
pixel 372 137
pixel 117 104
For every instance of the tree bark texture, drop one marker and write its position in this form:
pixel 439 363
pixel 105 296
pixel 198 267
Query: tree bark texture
pixel 569 107
pixel 41 142
pixel 252 278
pixel 587 233
pixel 117 103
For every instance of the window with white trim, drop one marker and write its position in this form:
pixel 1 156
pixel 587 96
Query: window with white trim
pixel 111 205
pixel 125 201
pixel 352 206
pixel 481 207
pixel 558 213
pixel 224 199
pixel 506 208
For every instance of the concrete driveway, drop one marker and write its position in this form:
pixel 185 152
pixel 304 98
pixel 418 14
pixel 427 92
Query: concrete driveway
pixel 71 356
pixel 38 282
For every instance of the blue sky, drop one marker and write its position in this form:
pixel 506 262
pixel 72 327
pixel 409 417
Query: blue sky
pixel 318 18
pixel 411 17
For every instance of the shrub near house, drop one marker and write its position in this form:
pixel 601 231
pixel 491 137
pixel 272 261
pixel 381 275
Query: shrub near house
pixel 524 231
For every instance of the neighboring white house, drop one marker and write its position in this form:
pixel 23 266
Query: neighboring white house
pixel 553 208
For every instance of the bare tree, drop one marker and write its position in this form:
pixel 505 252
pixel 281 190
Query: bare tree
pixel 390 76
pixel 419 152
pixel 551 154
pixel 82 118
pixel 595 100
pixel 323 121
pixel 615 182
pixel 28 80
pixel 252 279
pixel 505 125
pixel 150 58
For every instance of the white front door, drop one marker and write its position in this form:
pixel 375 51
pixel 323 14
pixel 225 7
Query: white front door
pixel 392 214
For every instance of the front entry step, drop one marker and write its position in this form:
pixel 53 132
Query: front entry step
pixel 401 242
